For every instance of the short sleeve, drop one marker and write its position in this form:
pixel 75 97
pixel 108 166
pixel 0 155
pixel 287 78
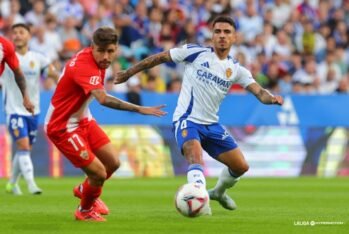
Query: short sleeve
pixel 187 53
pixel 88 78
pixel 10 56
pixel 44 61
pixel 244 77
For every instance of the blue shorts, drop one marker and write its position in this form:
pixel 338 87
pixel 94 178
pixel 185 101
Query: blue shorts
pixel 214 138
pixel 21 126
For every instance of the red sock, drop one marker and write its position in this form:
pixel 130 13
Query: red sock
pixel 89 195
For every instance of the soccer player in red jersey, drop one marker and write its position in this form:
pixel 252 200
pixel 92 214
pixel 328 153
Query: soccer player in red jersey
pixel 8 56
pixel 73 130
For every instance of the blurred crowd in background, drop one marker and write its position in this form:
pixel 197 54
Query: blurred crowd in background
pixel 290 46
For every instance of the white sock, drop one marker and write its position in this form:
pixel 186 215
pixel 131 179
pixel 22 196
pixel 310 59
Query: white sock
pixel 225 180
pixel 195 174
pixel 26 166
pixel 16 171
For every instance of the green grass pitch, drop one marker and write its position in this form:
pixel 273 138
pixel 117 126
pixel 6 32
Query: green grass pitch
pixel 265 205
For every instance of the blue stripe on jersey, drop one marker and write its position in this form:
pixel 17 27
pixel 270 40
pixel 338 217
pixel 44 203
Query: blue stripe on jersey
pixel 189 46
pixel 190 107
pixel 192 57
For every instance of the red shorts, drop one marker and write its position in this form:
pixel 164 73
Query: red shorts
pixel 78 145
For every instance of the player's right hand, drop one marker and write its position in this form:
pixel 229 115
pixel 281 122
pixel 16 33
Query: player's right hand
pixel 28 105
pixel 121 77
pixel 152 110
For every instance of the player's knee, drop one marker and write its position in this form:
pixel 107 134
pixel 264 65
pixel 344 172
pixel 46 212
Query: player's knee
pixel 115 165
pixel 23 145
pixel 98 178
pixel 243 168
pixel 240 170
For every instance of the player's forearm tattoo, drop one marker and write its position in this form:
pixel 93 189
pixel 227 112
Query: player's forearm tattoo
pixel 265 96
pixel 20 82
pixel 118 104
pixel 150 62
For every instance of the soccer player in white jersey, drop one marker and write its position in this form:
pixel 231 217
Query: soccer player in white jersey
pixel 22 124
pixel 209 73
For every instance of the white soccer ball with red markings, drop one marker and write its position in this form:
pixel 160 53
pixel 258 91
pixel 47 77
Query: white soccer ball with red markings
pixel 192 200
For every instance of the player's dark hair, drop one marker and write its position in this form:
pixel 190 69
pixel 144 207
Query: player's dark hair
pixel 21 25
pixel 104 36
pixel 224 19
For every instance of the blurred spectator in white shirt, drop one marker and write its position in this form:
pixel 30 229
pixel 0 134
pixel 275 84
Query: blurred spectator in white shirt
pixel 37 14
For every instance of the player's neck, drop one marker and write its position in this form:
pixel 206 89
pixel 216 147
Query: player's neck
pixel 221 54
pixel 22 50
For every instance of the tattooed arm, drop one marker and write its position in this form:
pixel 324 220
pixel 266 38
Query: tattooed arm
pixel 20 80
pixel 147 63
pixel 263 95
pixel 112 102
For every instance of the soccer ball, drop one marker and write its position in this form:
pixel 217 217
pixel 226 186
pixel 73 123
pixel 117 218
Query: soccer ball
pixel 192 200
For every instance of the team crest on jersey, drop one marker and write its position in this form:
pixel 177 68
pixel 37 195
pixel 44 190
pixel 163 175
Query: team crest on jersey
pixel 95 80
pixel 184 133
pixel 228 72
pixel 31 64
pixel 84 154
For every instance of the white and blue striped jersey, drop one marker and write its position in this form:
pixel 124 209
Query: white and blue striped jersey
pixel 32 65
pixel 206 81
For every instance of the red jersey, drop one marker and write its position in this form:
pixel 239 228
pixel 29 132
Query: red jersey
pixel 69 104
pixel 7 55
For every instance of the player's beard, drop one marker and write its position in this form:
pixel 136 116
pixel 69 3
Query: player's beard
pixel 104 64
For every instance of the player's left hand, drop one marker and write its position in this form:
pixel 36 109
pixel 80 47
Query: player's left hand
pixel 28 105
pixel 121 77
pixel 278 100
pixel 152 110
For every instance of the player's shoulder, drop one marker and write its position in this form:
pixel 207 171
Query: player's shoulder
pixel 35 54
pixel 233 61
pixel 197 47
pixel 6 44
pixel 82 60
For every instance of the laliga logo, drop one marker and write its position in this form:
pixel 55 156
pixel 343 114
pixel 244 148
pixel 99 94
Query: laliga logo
pixel 288 115
pixel 94 80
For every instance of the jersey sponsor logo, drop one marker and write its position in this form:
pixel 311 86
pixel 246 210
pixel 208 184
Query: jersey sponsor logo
pixel 94 80
pixel 205 64
pixel 228 73
pixel 211 78
pixel 84 154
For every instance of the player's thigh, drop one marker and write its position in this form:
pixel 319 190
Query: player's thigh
pixel 192 151
pixel 235 160
pixel 102 148
pixel 108 156
pixel 23 144
pixel 74 146
pixel 188 140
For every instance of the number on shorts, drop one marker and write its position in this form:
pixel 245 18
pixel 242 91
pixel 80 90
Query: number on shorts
pixel 183 124
pixel 17 123
pixel 74 139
